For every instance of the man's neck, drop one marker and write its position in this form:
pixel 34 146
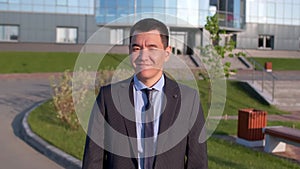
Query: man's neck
pixel 149 82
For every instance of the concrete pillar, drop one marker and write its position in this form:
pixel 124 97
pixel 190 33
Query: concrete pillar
pixel 273 145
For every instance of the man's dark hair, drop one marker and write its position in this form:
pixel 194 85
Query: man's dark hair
pixel 149 24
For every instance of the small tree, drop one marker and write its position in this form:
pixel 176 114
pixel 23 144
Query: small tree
pixel 212 56
pixel 212 26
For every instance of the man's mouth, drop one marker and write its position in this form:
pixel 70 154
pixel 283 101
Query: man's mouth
pixel 144 66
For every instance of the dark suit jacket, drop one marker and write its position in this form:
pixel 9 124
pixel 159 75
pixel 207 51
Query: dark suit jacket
pixel 182 110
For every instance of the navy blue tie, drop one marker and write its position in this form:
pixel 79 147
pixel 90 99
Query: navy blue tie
pixel 149 131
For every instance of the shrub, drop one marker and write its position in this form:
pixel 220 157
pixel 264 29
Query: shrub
pixel 64 92
pixel 62 99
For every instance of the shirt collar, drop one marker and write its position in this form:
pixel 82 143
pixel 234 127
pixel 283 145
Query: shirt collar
pixel 140 85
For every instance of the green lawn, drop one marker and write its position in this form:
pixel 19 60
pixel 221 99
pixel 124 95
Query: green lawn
pixel 280 63
pixel 43 121
pixel 30 62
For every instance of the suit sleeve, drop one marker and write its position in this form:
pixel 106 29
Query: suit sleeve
pixel 196 152
pixel 93 153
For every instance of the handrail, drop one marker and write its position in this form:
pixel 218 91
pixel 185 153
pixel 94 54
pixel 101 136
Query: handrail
pixel 259 67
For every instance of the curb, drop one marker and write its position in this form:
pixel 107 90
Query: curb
pixel 55 154
pixel 30 75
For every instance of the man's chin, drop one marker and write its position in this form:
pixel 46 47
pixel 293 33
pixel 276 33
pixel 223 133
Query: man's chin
pixel 148 73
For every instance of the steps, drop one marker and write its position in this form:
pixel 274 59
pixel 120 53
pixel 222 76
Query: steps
pixel 286 93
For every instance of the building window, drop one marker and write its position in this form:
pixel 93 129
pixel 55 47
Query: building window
pixel 66 35
pixel 116 36
pixel 61 2
pixel 9 33
pixel 266 42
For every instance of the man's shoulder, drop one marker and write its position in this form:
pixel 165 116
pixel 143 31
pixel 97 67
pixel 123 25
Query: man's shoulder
pixel 118 84
pixel 179 85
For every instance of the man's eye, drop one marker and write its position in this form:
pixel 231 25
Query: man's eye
pixel 135 49
pixel 153 48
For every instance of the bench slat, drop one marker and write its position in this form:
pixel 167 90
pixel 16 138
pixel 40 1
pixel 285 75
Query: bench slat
pixel 284 132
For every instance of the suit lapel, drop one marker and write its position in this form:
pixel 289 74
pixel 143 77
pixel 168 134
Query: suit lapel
pixel 172 94
pixel 127 108
pixel 170 113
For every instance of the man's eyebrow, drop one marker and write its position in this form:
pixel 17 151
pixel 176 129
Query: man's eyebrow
pixel 152 45
pixel 134 45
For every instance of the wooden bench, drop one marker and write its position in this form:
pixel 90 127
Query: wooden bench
pixel 278 136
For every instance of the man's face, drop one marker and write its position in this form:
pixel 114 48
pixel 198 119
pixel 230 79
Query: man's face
pixel 148 54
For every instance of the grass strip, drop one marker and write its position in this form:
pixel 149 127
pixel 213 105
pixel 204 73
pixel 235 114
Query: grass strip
pixel 32 62
pixel 44 122
pixel 280 63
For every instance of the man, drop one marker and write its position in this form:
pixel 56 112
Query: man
pixel 148 121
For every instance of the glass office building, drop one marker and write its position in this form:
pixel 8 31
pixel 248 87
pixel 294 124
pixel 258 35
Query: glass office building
pixel 283 12
pixel 272 24
pixel 185 19
pixel 194 12
pixel 49 6
pixel 74 21
pixel 253 24
pixel 48 21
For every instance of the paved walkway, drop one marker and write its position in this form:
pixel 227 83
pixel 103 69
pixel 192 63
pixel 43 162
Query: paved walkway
pixel 271 53
pixel 16 96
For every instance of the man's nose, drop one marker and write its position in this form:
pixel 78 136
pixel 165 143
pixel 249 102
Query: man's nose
pixel 144 54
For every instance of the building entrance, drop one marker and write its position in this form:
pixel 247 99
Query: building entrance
pixel 178 41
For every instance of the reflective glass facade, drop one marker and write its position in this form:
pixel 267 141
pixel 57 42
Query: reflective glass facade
pixel 173 12
pixel 231 12
pixel 285 12
pixel 193 11
pixel 49 6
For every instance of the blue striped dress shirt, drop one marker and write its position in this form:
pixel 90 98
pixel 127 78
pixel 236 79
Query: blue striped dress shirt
pixel 140 100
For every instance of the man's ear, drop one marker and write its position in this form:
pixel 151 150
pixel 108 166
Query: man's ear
pixel 168 51
pixel 129 48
